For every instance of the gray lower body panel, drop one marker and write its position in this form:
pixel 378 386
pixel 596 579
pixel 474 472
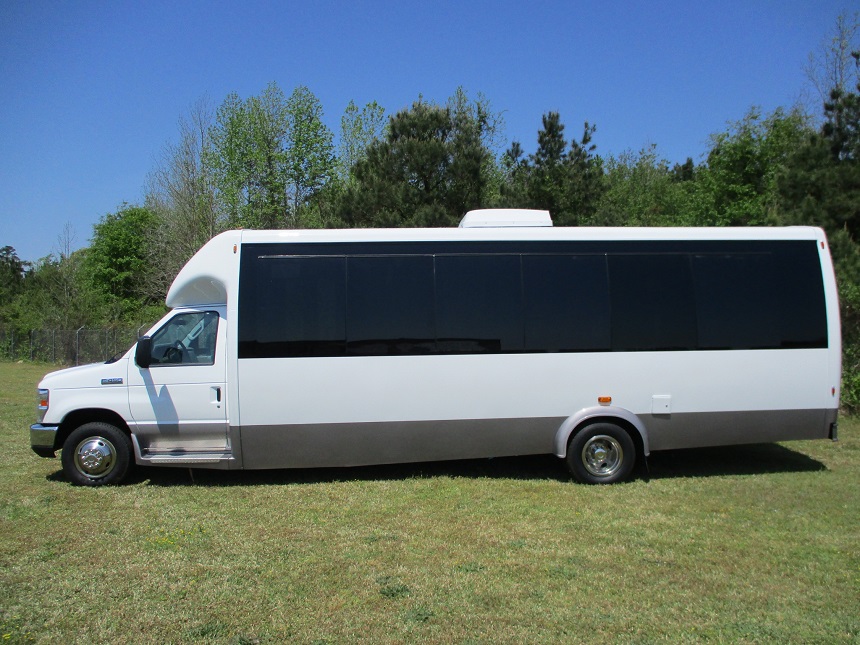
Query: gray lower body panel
pixel 702 429
pixel 344 444
pixel 347 444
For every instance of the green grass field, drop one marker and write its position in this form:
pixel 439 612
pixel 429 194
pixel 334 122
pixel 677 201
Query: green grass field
pixel 749 544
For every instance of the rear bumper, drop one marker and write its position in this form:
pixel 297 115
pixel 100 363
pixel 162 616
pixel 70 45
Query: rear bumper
pixel 42 439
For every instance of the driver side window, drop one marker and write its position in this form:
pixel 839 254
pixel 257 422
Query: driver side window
pixel 186 339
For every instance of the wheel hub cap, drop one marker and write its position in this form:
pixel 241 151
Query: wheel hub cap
pixel 95 457
pixel 602 455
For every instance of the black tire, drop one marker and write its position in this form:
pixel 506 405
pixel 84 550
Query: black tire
pixel 601 453
pixel 97 454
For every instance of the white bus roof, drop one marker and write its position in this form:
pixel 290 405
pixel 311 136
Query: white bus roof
pixel 533 233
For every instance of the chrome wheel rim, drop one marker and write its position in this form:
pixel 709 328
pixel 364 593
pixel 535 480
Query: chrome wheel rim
pixel 95 457
pixel 602 455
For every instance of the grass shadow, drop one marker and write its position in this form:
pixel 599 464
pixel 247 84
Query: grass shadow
pixel 751 459
pixel 534 467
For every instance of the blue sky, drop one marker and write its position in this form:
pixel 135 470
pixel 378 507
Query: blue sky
pixel 90 92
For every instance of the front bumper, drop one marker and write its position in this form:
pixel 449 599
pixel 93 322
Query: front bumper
pixel 42 439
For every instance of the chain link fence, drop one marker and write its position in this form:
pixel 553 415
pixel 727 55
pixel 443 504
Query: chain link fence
pixel 67 346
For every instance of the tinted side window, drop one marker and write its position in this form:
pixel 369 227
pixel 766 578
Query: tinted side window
pixel 763 300
pixel 652 302
pixel 567 297
pixel 390 305
pixel 736 301
pixel 479 304
pixel 801 296
pixel 566 303
pixel 297 308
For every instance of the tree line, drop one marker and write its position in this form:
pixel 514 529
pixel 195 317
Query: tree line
pixel 269 161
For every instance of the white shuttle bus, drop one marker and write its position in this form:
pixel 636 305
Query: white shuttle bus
pixel 506 336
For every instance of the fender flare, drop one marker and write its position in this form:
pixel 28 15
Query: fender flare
pixel 598 413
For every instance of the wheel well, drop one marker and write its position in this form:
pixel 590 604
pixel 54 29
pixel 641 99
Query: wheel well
pixel 78 418
pixel 625 425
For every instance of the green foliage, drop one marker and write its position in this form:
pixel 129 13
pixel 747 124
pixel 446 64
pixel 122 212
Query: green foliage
pixel 738 186
pixel 269 155
pixel 842 125
pixel 309 151
pixel 358 129
pixel 11 275
pixel 57 293
pixel 248 159
pixel 565 180
pixel 117 259
pixel 849 294
pixel 428 171
pixel 819 189
pixel 640 190
pixel 685 171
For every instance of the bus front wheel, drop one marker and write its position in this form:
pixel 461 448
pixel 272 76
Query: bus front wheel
pixel 96 454
pixel 601 453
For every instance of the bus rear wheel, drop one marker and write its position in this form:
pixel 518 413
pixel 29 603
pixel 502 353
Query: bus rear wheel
pixel 601 453
pixel 96 454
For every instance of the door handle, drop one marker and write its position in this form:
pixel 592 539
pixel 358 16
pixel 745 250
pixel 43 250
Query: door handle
pixel 218 394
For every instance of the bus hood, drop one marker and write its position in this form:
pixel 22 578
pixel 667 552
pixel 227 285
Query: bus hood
pixel 84 376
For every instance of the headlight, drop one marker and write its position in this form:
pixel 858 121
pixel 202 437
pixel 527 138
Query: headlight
pixel 41 404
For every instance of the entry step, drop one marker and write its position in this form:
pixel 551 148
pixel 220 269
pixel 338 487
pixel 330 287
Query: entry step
pixel 187 458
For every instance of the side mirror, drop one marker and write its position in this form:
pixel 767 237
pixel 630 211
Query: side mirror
pixel 143 352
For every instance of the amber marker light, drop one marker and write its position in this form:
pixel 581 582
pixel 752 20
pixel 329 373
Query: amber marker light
pixel 42 400
pixel 604 400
